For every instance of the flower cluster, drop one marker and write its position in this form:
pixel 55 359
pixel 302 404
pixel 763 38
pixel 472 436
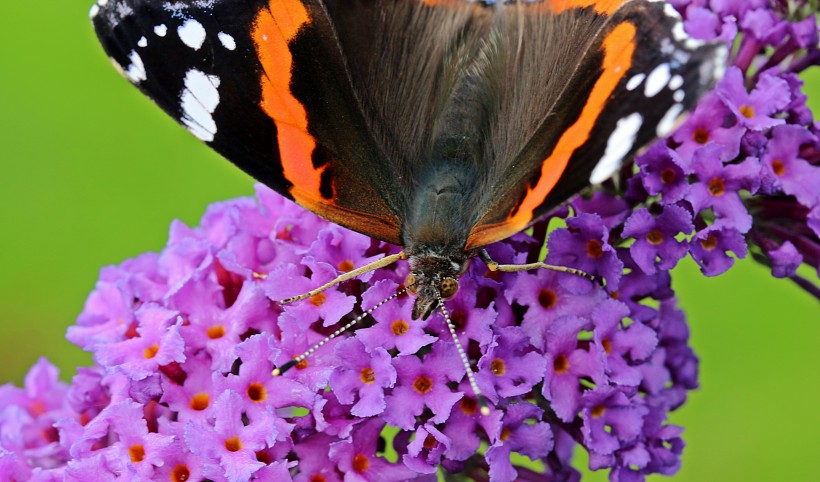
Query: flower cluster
pixel 184 341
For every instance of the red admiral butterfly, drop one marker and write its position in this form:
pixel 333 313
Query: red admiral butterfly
pixel 438 125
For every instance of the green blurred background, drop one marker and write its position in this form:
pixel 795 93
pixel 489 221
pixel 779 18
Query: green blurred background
pixel 93 173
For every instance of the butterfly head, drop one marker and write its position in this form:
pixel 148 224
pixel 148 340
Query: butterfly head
pixel 433 277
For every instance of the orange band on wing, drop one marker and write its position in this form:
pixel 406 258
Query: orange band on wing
pixel 271 35
pixel 605 6
pixel 619 45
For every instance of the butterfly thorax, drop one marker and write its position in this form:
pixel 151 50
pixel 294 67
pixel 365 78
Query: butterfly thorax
pixel 443 213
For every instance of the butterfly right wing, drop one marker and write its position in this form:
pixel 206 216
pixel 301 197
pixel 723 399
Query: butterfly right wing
pixel 630 71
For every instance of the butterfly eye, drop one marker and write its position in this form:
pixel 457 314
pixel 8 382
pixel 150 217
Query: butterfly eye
pixel 410 283
pixel 449 287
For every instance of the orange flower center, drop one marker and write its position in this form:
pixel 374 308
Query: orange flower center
pixel 716 186
pixel 700 135
pixel 505 434
pixel 498 367
pixel 598 411
pixel 215 332
pixel 360 463
pixel 547 298
pixel 668 176
pixel 778 167
pixel 399 327
pixel 137 453
pixel 264 457
pixel 595 249
pixel 233 444
pixel 654 236
pixel 181 473
pixel 468 406
pixel 607 346
pixel 747 111
pixel 346 266
pixel 318 299
pixel 368 376
pixel 423 384
pixel 200 401
pixel 560 364
pixel 257 392
pixel 151 351
pixel 459 319
pixel 709 243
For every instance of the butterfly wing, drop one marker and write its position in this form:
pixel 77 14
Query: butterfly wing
pixel 266 85
pixel 615 75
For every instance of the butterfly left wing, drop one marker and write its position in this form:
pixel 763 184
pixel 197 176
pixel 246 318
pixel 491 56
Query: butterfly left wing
pixel 264 83
pixel 638 72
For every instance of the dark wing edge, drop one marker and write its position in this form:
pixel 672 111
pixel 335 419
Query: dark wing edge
pixel 641 73
pixel 264 84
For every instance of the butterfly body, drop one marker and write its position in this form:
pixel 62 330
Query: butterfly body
pixel 438 125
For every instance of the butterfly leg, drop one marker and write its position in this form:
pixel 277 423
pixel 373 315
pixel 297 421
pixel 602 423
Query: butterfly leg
pixel 508 268
pixel 379 263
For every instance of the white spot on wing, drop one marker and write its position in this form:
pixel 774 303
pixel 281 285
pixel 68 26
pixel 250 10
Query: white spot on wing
pixel 635 81
pixel 657 80
pixel 199 101
pixel 667 123
pixel 676 82
pixel 102 3
pixel 227 41
pixel 142 42
pixel 192 34
pixel 161 30
pixel 678 96
pixel 95 10
pixel 618 145
pixel 136 71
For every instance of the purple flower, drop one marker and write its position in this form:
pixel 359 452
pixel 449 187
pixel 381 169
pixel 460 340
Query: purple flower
pixel 362 376
pixel 664 173
pixel 423 383
pixel 231 442
pixel 533 439
pixel 785 260
pixel 656 246
pixel 328 306
pixel 622 347
pixel 719 187
pixel 427 450
pixel 712 123
pixel 710 247
pixel 567 364
pixel 158 343
pixel 754 109
pixel 785 171
pixel 610 420
pixel 547 297
pixel 510 366
pixel 394 326
pixel 585 245
pixel 356 457
pixel 257 388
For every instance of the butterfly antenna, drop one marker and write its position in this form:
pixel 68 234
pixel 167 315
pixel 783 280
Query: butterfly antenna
pixel 287 366
pixel 379 263
pixel 482 400
pixel 511 268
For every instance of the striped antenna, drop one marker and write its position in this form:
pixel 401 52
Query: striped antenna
pixel 287 366
pixel 482 400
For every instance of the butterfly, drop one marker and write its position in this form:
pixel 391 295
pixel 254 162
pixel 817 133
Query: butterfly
pixel 441 126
